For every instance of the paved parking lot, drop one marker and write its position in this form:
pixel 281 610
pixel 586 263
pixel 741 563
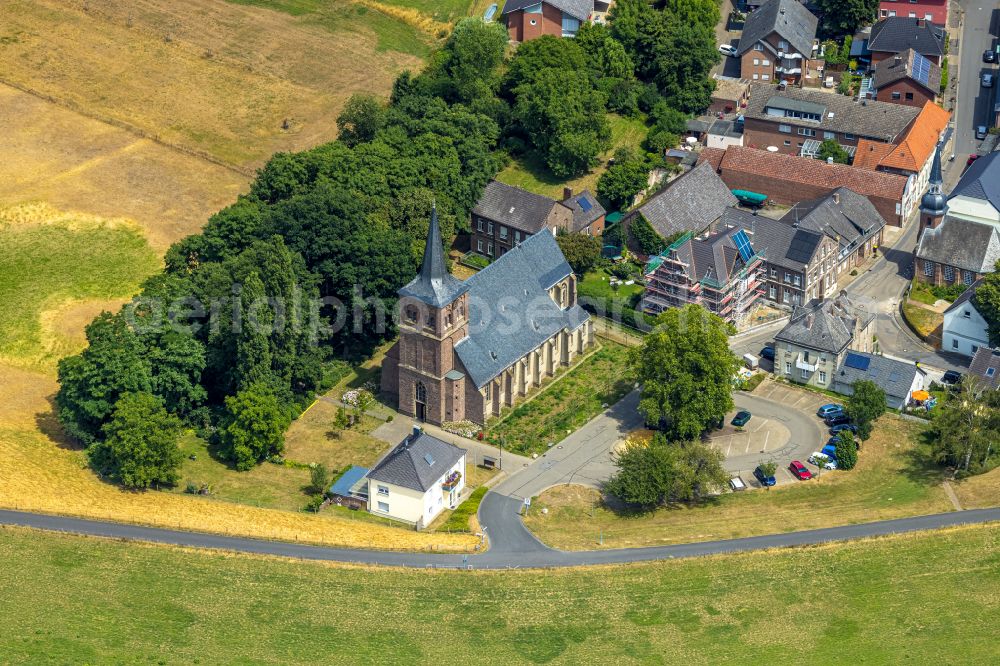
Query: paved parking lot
pixel 760 435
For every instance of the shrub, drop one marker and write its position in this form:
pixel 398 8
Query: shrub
pixel 315 503
pixel 847 450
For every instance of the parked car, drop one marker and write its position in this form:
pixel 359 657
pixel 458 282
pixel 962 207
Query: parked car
pixel 830 450
pixel 741 418
pixel 972 158
pixel 989 55
pixel 836 420
pixel 951 377
pixel 736 483
pixel 829 410
pixel 822 460
pixel 728 50
pixel 764 480
pixel 768 353
pixel 799 471
pixel 987 79
pixel 844 426
pixel 981 132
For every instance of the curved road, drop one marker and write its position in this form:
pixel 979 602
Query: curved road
pixel 507 554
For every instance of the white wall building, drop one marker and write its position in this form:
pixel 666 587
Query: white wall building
pixel 964 330
pixel 417 480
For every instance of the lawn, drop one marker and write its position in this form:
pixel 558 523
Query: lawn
pixel 51 265
pixel 925 597
pixel 596 284
pixel 923 321
pixel 532 175
pixel 568 402
pixel 894 478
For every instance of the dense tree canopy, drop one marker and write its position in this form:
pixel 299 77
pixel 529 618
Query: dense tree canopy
pixel 623 180
pixel 830 148
pixel 686 370
pixel 844 17
pixel 140 444
pixel 965 432
pixel 987 302
pixel 582 251
pixel 865 405
pixel 653 474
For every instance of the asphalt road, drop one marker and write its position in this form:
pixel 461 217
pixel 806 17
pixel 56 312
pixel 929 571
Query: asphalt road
pixel 974 104
pixel 507 553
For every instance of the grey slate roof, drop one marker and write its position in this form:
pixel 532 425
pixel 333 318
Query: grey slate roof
pixel 581 217
pixel 581 9
pixel 892 376
pixel 407 466
pixel 825 325
pixel 898 33
pixel 714 258
pixel 777 241
pixel 510 310
pixel 984 360
pixel 789 18
pixel 690 203
pixel 850 222
pixel 971 246
pixel 883 121
pixel 965 296
pixel 889 71
pixel 981 181
pixel 514 207
pixel 434 285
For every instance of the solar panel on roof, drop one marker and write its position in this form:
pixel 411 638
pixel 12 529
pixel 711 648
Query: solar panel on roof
pixel 857 361
pixel 742 244
pixel 585 204
pixel 802 246
pixel 921 68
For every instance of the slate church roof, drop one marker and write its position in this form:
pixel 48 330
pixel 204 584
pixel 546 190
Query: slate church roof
pixel 971 246
pixel 510 310
pixel 417 462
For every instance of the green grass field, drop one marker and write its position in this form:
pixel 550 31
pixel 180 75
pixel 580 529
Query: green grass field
pixel 48 264
pixel 925 598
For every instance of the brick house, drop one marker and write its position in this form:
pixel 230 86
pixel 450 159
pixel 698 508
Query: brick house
pixel 935 11
pixel 817 338
pixel 530 19
pixel 777 42
pixel 468 349
pixel 788 179
pixel 796 121
pixel 506 215
pixel 907 78
pixel 897 34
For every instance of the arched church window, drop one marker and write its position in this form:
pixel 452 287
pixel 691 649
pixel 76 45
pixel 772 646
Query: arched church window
pixel 421 392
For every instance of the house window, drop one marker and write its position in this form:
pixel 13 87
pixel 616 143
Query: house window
pixel 774 273
pixel 788 277
pixel 968 277
pixel 788 368
pixel 756 77
pixel 570 26
pixel 766 62
pixel 411 314
pixel 829 135
pixel 797 280
pixel 765 77
pixel 954 343
pixel 489 229
pixel 805 131
pixel 503 232
pixel 383 507
pixel 479 246
pixel 489 249
pixel 383 491
pixel 822 377
pixel 909 95
pixel 928 268
pixel 949 273
pixel 533 22
pixel 756 61
pixel 787 129
pixel 785 296
pixel 967 315
pixel 975 348
pixel 758 47
pixel 479 224
pixel 990 372
pixel 783 45
pixel 897 95
pixel 772 292
pixel 804 374
pixel 517 236
pixel 849 137
pixel 788 143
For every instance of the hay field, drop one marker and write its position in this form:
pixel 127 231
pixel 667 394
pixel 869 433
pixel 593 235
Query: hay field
pixel 231 82
pixel 922 598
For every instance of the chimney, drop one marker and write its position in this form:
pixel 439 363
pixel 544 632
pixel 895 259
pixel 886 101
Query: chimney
pixel 417 430
pixel 829 160
pixel 898 59
pixel 567 193
pixel 809 321
pixel 836 195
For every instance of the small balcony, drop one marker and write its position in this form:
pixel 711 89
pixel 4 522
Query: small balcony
pixel 803 364
pixel 451 481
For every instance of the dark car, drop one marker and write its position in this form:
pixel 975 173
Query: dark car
pixel 972 158
pixel 836 420
pixel 844 426
pixel 951 377
pixel 768 353
pixel 831 409
pixel 799 471
pixel 741 418
pixel 764 480
pixel 989 55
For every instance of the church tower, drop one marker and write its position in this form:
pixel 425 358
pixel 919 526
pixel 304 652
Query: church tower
pixel 433 318
pixel 934 205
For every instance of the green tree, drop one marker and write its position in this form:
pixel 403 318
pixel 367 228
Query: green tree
pixel 90 383
pixel 140 446
pixel 686 370
pixel 865 405
pixel 846 450
pixel 319 479
pixel 361 119
pixel 650 475
pixel 177 362
pixel 622 181
pixel 768 468
pixel 844 17
pixel 253 348
pixel 468 66
pixel 582 251
pixel 964 432
pixel 830 148
pixel 987 302
pixel 256 426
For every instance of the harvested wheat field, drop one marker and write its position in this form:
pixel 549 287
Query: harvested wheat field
pixel 232 82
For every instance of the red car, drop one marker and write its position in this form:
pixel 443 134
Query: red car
pixel 800 471
pixel 972 158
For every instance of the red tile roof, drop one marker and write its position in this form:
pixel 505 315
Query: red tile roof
pixel 871 153
pixel 812 172
pixel 918 143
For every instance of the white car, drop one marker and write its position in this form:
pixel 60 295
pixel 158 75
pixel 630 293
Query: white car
pixel 817 458
pixel 736 483
pixel 728 50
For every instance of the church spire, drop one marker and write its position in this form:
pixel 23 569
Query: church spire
pixel 434 285
pixel 934 204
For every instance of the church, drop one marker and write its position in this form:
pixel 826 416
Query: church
pixel 468 349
